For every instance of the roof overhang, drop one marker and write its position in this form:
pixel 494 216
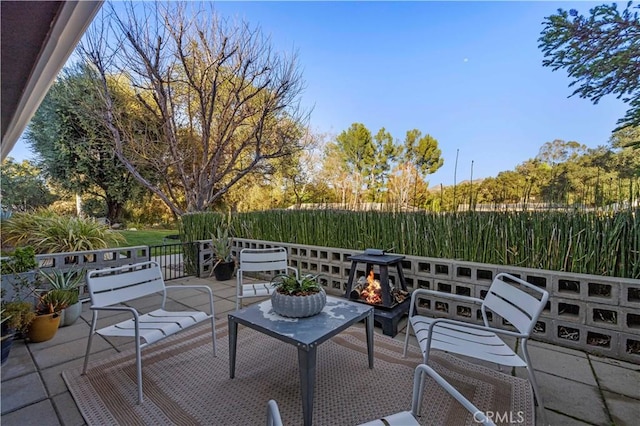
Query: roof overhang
pixel 37 39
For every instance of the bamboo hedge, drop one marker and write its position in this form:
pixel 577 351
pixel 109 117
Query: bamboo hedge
pixel 582 242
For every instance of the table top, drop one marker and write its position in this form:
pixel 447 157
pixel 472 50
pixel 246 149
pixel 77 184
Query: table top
pixel 337 315
pixel 385 259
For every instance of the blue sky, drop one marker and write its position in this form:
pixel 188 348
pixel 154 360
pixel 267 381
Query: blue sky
pixel 468 73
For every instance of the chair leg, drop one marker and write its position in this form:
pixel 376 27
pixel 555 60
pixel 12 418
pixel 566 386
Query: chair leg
pixel 406 339
pixel 420 393
pixel 534 383
pixel 139 370
pixel 423 376
pixel 238 290
pixel 86 355
pixel 94 322
pixel 213 333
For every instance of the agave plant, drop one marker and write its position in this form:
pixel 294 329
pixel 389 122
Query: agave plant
pixel 58 279
pixel 222 244
pixel 53 301
pixel 296 284
pixel 65 281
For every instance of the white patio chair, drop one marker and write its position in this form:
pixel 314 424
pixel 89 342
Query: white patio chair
pixel 507 298
pixel 272 260
pixel 273 414
pixel 404 418
pixel 111 288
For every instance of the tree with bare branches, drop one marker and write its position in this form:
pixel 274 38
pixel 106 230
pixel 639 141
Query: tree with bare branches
pixel 220 102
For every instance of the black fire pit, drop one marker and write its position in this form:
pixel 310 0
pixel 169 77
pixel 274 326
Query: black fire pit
pixel 389 312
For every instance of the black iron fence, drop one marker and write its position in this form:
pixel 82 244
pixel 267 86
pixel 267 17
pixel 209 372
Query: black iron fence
pixel 174 259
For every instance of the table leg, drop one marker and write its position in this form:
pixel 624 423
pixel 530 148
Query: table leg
pixel 307 366
pixel 369 326
pixel 233 340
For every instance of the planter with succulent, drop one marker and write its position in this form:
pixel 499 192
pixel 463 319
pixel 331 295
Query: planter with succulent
pixel 68 281
pixel 297 296
pixel 45 325
pixel 223 261
pixel 16 318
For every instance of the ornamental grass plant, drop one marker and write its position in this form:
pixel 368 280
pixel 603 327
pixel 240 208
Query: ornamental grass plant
pixel 49 232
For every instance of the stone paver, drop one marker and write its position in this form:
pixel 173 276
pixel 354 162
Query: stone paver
pixel 22 391
pixel 19 362
pixel 572 398
pixel 568 365
pixel 618 378
pixel 67 410
pixel 39 414
pixel 624 410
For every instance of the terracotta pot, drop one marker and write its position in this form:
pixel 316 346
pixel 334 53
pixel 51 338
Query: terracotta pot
pixel 298 306
pixel 43 327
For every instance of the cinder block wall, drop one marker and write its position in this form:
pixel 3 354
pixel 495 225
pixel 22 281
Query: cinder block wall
pixel 600 315
pixel 87 260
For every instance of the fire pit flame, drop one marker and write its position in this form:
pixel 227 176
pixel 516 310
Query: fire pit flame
pixel 370 290
pixel 373 292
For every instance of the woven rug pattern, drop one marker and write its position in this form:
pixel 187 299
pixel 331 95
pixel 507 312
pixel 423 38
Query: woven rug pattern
pixel 185 385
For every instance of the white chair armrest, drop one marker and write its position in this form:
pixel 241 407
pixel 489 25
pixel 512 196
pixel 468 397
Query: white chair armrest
pixel 478 416
pixel 197 287
pixel 295 271
pixel 474 326
pixel 273 414
pixel 115 308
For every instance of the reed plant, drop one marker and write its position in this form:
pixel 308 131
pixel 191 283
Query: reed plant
pixel 196 227
pixel 600 243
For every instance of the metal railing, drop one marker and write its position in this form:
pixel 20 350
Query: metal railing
pixel 172 259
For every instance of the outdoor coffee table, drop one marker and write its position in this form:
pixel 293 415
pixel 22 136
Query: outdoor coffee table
pixel 304 333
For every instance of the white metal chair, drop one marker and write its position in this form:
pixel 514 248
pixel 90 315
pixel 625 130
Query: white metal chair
pixel 269 260
pixel 273 414
pixel 404 418
pixel 515 300
pixel 110 288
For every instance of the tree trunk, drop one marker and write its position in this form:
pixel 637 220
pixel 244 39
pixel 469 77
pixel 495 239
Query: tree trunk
pixel 114 211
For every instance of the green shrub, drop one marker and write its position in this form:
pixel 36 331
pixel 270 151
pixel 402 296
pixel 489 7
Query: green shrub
pixel 48 232
pixel 22 259
pixel 17 315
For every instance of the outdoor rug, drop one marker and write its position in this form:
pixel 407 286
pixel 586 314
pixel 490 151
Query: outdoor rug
pixel 185 385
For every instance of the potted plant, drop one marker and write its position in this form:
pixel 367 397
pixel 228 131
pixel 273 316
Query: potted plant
pixel 68 281
pixel 297 296
pixel 222 245
pixel 47 320
pixel 16 318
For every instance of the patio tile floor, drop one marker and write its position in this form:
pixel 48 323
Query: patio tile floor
pixel 578 388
